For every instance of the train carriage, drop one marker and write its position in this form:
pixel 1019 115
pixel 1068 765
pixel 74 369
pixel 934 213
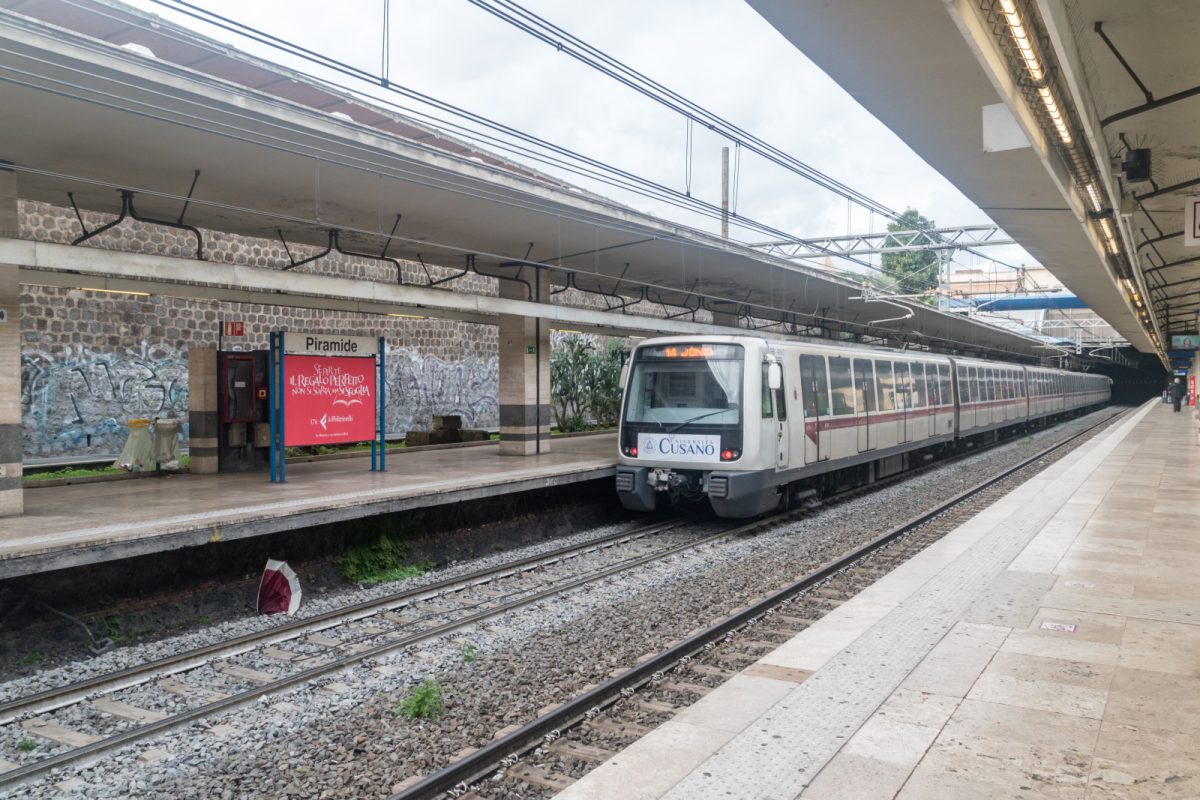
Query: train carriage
pixel 747 424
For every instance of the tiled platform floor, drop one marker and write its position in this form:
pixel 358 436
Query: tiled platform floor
pixel 1050 647
pixel 71 525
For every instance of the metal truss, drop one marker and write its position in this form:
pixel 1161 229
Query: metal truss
pixel 867 244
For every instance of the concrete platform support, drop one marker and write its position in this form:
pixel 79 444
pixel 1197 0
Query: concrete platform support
pixel 524 375
pixel 202 410
pixel 11 493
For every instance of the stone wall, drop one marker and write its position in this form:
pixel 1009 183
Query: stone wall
pixel 91 360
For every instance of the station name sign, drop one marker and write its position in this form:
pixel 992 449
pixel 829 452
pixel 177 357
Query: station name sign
pixel 315 344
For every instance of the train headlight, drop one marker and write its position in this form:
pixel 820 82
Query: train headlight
pixel 729 454
pixel 631 451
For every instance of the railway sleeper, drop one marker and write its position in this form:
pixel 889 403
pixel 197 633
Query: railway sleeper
pixel 581 752
pixel 629 731
pixel 539 777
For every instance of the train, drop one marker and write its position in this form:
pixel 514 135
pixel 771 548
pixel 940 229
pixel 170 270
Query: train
pixel 748 424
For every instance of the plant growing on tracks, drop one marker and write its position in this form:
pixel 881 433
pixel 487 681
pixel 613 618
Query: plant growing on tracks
pixel 425 702
pixel 25 745
pixel 381 560
pixel 469 653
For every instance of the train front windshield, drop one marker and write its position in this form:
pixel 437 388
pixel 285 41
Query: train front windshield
pixel 676 385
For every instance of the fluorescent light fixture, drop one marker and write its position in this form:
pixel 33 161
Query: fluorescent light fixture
pixel 1017 28
pixel 565 330
pixel 407 316
pixel 1097 206
pixel 1110 238
pixel 1056 116
pixel 114 291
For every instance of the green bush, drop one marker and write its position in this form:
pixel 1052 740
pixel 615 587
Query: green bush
pixel 381 560
pixel 585 382
pixel 425 702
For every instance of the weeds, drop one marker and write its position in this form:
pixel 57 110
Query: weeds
pixel 425 702
pixel 26 745
pixel 469 653
pixel 33 658
pixel 380 561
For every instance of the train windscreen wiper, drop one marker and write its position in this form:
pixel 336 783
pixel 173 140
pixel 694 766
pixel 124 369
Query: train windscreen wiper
pixel 698 417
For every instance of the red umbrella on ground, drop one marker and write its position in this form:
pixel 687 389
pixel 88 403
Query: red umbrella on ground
pixel 279 589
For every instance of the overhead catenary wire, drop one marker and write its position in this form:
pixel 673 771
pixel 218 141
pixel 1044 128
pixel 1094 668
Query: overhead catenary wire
pixel 565 42
pixel 223 22
pixel 308 148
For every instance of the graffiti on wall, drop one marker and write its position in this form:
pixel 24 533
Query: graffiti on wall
pixel 78 401
pixel 420 386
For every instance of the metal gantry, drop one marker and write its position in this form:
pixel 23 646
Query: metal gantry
pixel 865 244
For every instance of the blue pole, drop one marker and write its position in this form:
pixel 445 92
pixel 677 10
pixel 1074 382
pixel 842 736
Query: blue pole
pixel 382 404
pixel 271 380
pixel 282 380
pixel 375 437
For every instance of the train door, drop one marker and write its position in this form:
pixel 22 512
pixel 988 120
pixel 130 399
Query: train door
pixel 922 404
pixel 946 413
pixel 886 429
pixel 966 411
pixel 864 402
pixel 931 399
pixel 814 388
pixel 904 396
pixel 770 431
pixel 783 441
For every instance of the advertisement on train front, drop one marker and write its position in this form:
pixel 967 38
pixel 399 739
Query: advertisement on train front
pixel 328 400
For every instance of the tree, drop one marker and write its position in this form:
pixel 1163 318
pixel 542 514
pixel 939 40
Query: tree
pixel 569 359
pixel 585 382
pixel 915 271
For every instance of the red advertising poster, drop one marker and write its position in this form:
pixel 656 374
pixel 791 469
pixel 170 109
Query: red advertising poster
pixel 1192 390
pixel 328 400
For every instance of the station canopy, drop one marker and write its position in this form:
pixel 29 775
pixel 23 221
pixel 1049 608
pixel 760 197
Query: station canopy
pixel 114 99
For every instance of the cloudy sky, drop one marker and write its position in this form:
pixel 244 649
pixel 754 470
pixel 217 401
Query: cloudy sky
pixel 718 53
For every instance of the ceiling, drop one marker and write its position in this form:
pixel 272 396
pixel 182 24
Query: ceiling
pixel 97 118
pixel 928 69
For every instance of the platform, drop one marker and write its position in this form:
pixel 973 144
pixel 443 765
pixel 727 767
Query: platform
pixel 1049 647
pixel 68 526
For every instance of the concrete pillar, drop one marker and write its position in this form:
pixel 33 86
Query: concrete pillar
pixel 12 501
pixel 202 410
pixel 524 373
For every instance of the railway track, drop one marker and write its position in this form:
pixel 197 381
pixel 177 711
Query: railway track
pixel 552 751
pixel 214 679
pixel 314 647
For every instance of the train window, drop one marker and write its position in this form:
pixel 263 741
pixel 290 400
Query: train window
pixel 814 384
pixel 887 385
pixel 841 385
pixel 990 380
pixel 918 371
pixel 964 385
pixel 946 395
pixel 976 386
pixel 864 386
pixel 767 406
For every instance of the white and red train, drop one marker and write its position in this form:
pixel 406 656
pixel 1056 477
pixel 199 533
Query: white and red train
pixel 747 423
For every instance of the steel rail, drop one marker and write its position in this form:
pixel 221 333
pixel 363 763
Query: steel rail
pixel 92 751
pixel 457 776
pixel 51 699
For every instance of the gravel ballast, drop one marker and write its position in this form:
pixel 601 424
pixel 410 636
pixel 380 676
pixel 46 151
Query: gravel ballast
pixel 342 736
